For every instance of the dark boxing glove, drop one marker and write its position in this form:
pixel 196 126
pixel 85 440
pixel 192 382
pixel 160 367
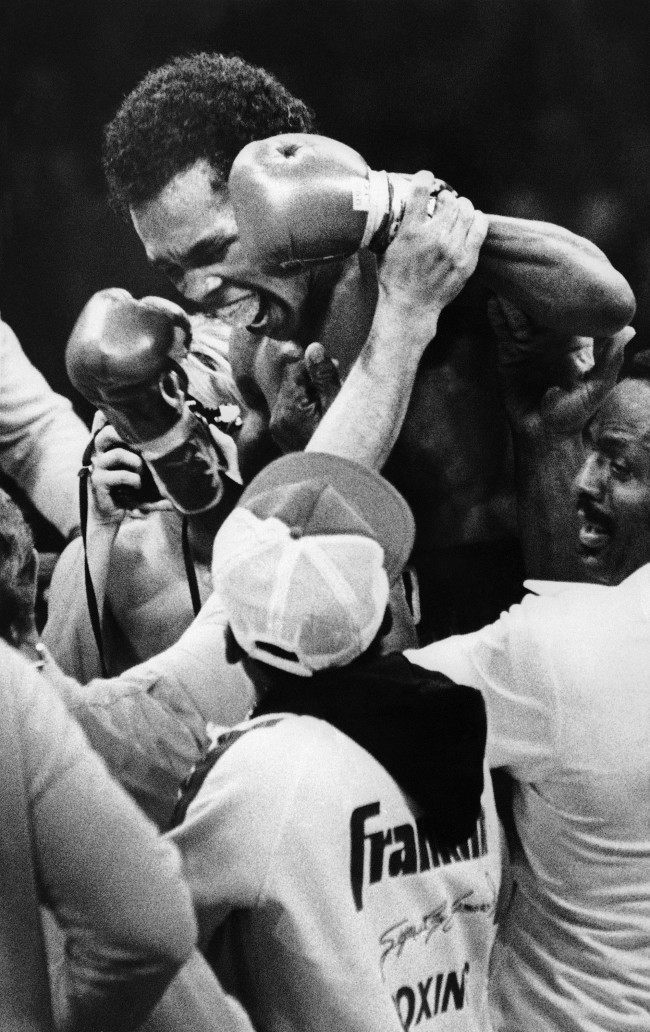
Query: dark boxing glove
pixel 301 199
pixel 124 357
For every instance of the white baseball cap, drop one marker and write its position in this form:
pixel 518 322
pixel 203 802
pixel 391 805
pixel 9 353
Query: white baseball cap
pixel 304 564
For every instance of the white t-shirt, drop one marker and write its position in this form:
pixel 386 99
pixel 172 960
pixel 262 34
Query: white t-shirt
pixel 566 682
pixel 330 909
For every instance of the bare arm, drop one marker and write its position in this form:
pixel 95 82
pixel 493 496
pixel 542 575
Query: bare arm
pixel 150 724
pixel 424 268
pixel 113 466
pixel 559 279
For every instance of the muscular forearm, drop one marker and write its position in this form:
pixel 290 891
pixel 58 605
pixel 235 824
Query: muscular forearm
pixel 366 417
pixel 561 280
pixel 545 472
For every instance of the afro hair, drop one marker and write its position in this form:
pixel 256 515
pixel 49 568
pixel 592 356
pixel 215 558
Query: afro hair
pixel 202 106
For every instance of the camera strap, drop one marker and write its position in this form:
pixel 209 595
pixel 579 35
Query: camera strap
pixel 91 598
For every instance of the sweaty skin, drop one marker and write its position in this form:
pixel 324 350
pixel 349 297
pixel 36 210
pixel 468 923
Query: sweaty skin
pixel 453 458
pixel 613 486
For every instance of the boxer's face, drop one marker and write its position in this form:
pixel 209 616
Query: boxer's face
pixel 189 232
pixel 285 394
pixel 613 486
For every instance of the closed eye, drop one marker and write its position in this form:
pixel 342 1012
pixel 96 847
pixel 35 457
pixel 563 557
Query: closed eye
pixel 208 252
pixel 168 269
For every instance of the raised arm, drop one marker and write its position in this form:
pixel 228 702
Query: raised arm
pixel 300 198
pixel 424 268
pixel 561 280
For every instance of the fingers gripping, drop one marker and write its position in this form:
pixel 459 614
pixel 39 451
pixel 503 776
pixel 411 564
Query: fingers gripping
pixel 417 206
pixel 323 373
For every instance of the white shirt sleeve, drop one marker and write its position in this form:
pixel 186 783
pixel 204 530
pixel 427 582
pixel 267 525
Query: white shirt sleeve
pixel 505 661
pixel 150 723
pixel 114 886
pixel 41 438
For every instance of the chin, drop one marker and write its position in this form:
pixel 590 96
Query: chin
pixel 597 569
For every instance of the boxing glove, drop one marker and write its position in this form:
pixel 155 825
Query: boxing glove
pixel 124 356
pixel 301 199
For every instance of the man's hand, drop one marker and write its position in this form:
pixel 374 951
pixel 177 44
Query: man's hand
pixel 114 467
pixel 432 255
pixel 422 270
pixel 308 389
pixel 552 385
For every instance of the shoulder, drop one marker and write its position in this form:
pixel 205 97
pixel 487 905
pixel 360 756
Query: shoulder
pixel 274 761
pixel 246 803
pixel 277 749
pixel 512 663
pixel 147 560
pixel 638 585
pixel 29 703
pixel 8 339
pixel 15 668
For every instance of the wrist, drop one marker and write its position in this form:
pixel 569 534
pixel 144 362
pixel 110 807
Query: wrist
pixel 104 522
pixel 400 313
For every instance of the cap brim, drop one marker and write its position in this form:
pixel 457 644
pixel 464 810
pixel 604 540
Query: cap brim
pixel 377 502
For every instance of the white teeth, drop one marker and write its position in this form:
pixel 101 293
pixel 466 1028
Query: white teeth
pixel 240 312
pixel 592 535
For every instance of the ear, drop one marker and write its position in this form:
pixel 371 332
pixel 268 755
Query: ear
pixel 234 651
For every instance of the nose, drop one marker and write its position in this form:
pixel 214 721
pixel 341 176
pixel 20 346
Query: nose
pixel 196 285
pixel 591 479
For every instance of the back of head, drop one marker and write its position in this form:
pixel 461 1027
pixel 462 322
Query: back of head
pixel 17 570
pixel 202 106
pixel 305 562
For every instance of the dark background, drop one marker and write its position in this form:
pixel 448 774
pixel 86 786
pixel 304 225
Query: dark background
pixel 530 107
